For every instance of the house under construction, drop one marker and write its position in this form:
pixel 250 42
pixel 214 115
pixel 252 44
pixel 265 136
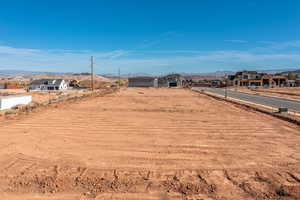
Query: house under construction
pixel 253 78
pixel 168 81
pixel 141 81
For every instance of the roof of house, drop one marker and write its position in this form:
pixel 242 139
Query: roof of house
pixel 51 82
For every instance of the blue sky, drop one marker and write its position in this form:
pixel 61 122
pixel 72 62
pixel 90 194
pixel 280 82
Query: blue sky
pixel 149 36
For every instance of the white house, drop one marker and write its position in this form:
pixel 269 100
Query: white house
pixel 48 84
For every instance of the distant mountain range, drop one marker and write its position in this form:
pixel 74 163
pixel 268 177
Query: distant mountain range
pixel 292 71
pixel 15 72
pixel 210 74
pixel 22 72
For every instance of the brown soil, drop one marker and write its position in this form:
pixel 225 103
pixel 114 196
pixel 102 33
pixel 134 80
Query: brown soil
pixel 149 144
pixel 97 83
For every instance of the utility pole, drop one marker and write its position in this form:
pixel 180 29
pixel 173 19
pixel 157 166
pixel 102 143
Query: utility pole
pixel 92 73
pixel 119 82
pixel 225 86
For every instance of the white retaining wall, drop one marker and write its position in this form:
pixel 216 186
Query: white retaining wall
pixel 11 101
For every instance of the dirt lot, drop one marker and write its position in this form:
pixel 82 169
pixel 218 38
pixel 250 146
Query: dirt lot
pixel 149 144
pixel 289 93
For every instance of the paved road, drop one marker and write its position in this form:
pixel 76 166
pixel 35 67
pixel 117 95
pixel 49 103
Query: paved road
pixel 264 100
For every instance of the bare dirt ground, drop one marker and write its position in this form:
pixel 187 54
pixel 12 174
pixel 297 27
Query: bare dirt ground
pixel 289 93
pixel 149 144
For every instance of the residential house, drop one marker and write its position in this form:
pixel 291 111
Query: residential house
pixel 253 78
pixel 48 84
pixel 171 80
pixel 168 81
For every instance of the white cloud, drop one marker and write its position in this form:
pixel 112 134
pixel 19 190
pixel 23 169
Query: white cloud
pixel 51 60
pixel 142 61
pixel 17 51
pixel 280 45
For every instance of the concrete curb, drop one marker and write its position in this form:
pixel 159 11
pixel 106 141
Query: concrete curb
pixel 252 106
pixel 291 112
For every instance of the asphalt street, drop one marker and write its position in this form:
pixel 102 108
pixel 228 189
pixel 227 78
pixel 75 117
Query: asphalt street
pixel 275 102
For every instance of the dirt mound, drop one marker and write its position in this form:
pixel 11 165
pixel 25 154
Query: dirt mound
pixel 67 76
pixel 97 83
